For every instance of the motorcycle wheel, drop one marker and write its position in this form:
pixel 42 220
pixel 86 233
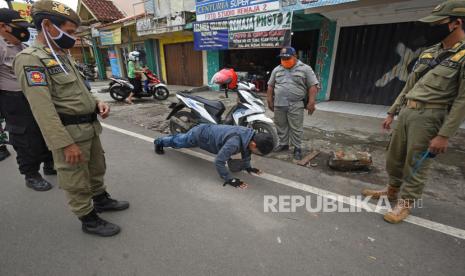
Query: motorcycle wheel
pixel 161 93
pixel 119 93
pixel 182 122
pixel 267 128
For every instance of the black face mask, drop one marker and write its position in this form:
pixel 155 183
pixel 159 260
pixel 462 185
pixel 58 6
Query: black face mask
pixel 437 33
pixel 63 40
pixel 21 34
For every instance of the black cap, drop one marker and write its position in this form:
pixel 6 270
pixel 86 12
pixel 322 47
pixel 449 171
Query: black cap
pixel 13 17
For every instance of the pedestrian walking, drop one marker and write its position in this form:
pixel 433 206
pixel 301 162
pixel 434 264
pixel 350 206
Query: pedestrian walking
pixel 67 115
pixel 430 110
pixel 25 135
pixel 292 88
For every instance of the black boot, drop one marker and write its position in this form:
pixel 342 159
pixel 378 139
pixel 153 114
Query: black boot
pixel 104 203
pixel 158 147
pixel 4 153
pixel 37 183
pixel 49 168
pixel 281 148
pixel 297 154
pixel 93 224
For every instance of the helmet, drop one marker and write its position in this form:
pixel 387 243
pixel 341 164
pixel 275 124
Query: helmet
pixel 134 55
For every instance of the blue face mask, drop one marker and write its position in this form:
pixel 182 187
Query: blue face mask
pixel 63 40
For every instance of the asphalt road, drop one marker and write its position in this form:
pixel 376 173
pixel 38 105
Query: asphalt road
pixel 182 221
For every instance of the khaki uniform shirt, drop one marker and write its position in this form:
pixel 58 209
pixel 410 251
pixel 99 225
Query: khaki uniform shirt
pixel 292 85
pixel 8 53
pixel 444 84
pixel 50 91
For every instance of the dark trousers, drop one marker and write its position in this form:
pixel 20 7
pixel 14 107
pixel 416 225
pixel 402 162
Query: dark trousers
pixel 25 135
pixel 137 85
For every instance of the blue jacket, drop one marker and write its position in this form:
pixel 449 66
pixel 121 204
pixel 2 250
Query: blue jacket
pixel 224 141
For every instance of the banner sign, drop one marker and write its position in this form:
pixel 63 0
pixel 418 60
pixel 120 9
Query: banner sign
pixel 265 30
pixel 219 9
pixel 110 37
pixel 211 35
pixel 292 5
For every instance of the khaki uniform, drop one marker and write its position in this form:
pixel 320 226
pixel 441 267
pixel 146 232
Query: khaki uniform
pixel 51 91
pixel 290 87
pixel 436 107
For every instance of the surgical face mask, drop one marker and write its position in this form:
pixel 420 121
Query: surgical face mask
pixel 288 63
pixel 63 40
pixel 21 34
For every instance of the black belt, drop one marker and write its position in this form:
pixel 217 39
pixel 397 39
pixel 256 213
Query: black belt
pixel 77 119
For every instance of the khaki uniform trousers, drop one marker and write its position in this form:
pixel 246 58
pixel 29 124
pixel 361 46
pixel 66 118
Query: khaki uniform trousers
pixel 289 121
pixel 82 181
pixel 410 140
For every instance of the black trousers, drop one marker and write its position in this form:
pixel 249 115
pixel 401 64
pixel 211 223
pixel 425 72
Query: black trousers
pixel 25 135
pixel 137 85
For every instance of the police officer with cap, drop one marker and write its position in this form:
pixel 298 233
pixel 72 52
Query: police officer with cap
pixel 430 109
pixel 25 135
pixel 67 115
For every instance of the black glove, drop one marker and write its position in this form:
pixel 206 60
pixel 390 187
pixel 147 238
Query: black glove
pixel 253 170
pixel 235 182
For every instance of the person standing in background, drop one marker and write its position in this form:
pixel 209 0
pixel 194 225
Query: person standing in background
pixel 25 135
pixel 292 87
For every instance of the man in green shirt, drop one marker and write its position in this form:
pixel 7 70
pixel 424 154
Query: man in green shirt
pixel 431 108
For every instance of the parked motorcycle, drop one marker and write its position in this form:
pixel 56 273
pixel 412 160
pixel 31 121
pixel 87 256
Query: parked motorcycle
pixel 120 89
pixel 248 112
pixel 87 71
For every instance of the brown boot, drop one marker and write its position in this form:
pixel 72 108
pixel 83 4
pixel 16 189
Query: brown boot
pixel 400 212
pixel 389 191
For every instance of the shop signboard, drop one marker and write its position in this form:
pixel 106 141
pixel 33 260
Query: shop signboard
pixel 265 30
pixel 211 35
pixel 24 10
pixel 114 63
pixel 220 9
pixel 292 5
pixel 110 37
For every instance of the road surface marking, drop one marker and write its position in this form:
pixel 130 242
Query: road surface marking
pixel 435 226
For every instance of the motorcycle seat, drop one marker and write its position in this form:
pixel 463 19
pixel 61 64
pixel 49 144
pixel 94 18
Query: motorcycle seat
pixel 215 108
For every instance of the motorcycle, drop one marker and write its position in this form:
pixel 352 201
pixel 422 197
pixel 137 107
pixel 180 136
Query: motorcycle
pixel 248 112
pixel 120 89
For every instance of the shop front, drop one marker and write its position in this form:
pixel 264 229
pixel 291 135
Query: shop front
pixel 177 62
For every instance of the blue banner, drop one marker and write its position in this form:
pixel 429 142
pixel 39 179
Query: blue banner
pixel 211 35
pixel 292 5
pixel 219 9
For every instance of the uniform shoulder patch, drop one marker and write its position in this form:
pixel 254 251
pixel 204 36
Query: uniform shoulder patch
pixel 35 76
pixel 427 56
pixel 457 57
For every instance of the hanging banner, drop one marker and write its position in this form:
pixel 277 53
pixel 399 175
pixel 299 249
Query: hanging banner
pixel 292 5
pixel 110 37
pixel 219 9
pixel 211 35
pixel 265 30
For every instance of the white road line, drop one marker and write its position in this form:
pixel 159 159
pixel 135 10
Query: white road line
pixel 435 226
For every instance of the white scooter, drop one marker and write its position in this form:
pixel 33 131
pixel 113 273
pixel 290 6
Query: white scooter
pixel 248 112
